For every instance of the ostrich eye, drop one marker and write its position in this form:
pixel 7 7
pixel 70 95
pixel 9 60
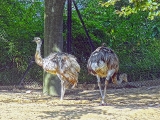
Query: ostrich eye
pixel 38 39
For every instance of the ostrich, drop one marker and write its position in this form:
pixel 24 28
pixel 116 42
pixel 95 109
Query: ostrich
pixel 103 62
pixel 61 64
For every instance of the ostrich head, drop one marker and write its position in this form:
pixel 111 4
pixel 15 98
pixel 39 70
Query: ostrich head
pixel 103 44
pixel 37 40
pixel 123 77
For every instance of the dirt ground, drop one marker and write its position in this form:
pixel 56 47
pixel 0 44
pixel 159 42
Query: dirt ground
pixel 122 104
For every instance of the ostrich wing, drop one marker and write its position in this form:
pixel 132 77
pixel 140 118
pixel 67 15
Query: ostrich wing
pixel 68 67
pixel 50 64
pixel 102 60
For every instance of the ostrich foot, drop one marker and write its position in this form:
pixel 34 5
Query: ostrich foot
pixel 103 103
pixel 61 99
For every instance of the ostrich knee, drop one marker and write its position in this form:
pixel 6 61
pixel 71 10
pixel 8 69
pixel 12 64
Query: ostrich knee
pixel 99 85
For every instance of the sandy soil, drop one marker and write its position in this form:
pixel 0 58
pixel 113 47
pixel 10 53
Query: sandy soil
pixel 123 104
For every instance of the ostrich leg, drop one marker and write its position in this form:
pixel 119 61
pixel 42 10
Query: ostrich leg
pixel 62 89
pixel 62 86
pixel 99 85
pixel 103 97
pixel 109 75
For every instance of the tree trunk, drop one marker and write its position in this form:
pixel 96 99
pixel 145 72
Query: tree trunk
pixel 53 41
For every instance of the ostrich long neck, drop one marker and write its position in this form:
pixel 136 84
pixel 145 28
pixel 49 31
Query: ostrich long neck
pixel 119 81
pixel 38 57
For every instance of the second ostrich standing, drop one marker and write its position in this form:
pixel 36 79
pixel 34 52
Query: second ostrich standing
pixel 64 65
pixel 103 62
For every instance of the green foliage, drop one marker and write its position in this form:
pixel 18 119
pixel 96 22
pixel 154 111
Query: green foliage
pixel 135 38
pixel 134 6
pixel 19 23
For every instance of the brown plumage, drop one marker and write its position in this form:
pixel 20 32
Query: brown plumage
pixel 103 62
pixel 61 64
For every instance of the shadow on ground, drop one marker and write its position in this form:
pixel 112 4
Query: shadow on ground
pixel 78 103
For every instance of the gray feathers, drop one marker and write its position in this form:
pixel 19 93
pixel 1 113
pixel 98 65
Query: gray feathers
pixel 102 57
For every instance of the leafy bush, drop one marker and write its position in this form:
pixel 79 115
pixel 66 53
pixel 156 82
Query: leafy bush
pixel 20 22
pixel 134 38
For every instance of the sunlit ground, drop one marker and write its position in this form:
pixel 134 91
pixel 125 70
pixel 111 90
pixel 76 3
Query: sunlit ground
pixel 122 104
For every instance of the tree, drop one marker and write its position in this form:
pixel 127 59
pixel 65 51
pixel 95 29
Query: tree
pixel 53 40
pixel 152 6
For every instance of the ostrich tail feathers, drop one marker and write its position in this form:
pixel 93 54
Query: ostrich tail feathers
pixel 73 82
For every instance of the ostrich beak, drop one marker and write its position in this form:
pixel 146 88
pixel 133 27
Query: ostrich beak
pixel 36 39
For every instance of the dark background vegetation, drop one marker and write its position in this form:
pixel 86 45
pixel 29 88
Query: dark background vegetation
pixel 134 38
